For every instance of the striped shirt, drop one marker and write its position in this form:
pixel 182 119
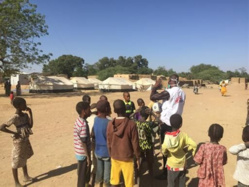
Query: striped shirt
pixel 81 130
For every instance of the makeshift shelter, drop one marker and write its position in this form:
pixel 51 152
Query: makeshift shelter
pixel 144 83
pixel 116 84
pixel 23 78
pixel 82 83
pixel 41 84
pixel 95 81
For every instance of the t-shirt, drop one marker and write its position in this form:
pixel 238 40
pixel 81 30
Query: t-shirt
pixel 174 105
pixel 145 135
pixel 81 130
pixel 99 128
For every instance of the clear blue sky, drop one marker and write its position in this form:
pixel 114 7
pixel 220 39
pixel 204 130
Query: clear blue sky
pixel 176 34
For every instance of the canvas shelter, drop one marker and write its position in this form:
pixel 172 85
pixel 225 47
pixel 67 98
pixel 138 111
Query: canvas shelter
pixel 81 83
pixel 95 81
pixel 40 84
pixel 116 84
pixel 23 78
pixel 144 83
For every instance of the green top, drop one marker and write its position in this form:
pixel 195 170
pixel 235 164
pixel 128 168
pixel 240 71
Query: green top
pixel 145 135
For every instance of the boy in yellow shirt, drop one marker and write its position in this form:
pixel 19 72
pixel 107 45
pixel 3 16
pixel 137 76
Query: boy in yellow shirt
pixel 174 147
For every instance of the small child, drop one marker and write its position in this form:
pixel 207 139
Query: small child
pixel 129 105
pixel 86 98
pixel 22 148
pixel 211 156
pixel 174 147
pixel 82 143
pixel 145 129
pixel 241 173
pixel 101 151
pixel 136 114
pixel 11 97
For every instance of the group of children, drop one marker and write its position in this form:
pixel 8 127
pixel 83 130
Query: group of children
pixel 106 147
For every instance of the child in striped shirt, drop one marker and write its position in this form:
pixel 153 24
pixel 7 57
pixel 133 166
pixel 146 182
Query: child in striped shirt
pixel 82 143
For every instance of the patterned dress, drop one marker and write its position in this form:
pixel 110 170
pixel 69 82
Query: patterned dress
pixel 22 148
pixel 211 158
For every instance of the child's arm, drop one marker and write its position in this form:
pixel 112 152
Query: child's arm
pixel 237 148
pixel 164 147
pixel 4 129
pixel 198 158
pixel 30 117
pixel 88 152
pixel 191 145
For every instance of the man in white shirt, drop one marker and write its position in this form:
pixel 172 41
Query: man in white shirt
pixel 173 102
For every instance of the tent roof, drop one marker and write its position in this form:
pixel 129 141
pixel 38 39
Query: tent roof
pixel 145 81
pixel 94 80
pixel 80 80
pixel 117 80
pixel 51 80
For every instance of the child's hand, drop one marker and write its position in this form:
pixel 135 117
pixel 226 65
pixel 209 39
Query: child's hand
pixel 138 164
pixel 247 144
pixel 28 109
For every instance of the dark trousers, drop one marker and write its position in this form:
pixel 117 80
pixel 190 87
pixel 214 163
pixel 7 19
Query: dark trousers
pixel 176 178
pixel 83 173
pixel 164 128
pixel 242 185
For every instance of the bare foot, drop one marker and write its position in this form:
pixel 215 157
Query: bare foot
pixel 19 185
pixel 28 179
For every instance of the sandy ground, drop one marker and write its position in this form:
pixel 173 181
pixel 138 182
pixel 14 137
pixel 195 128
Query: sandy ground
pixel 54 164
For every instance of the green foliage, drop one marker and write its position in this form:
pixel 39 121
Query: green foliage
pixel 20 25
pixel 66 64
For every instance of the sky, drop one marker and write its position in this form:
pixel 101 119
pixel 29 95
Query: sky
pixel 175 34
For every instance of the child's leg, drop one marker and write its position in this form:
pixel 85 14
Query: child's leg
pixel 82 166
pixel 15 175
pixel 27 178
pixel 150 160
pixel 182 178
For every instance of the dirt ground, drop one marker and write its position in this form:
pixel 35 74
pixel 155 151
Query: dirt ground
pixel 54 163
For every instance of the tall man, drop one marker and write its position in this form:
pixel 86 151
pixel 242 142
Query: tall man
pixel 173 102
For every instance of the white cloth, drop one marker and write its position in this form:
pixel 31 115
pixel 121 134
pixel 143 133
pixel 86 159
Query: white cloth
pixel 241 173
pixel 90 121
pixel 174 105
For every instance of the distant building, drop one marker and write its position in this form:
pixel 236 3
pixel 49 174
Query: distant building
pixel 23 78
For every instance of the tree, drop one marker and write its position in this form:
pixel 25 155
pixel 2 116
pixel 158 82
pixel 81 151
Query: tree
pixel 20 25
pixel 66 64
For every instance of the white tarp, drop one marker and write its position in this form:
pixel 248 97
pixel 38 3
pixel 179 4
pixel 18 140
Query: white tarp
pixel 144 83
pixel 116 84
pixel 50 83
pixel 95 81
pixel 81 82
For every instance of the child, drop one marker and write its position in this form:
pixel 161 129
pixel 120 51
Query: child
pixel 82 143
pixel 129 105
pixel 103 97
pixel 241 173
pixel 101 151
pixel 136 114
pixel 145 137
pixel 86 98
pixel 174 147
pixel 123 143
pixel 11 97
pixel 22 148
pixel 211 156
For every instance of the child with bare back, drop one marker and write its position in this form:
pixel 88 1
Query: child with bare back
pixel 22 148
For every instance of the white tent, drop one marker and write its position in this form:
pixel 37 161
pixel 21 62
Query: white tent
pixel 116 84
pixel 95 81
pixel 144 83
pixel 81 83
pixel 49 84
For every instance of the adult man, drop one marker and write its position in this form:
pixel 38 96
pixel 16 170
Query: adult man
pixel 173 102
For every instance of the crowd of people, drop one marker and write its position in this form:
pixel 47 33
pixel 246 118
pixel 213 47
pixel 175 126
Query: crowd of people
pixel 110 151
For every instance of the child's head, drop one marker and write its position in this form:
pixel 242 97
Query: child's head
pixel 140 102
pixel 19 103
pixel 143 112
pixel 102 106
pixel 11 92
pixel 215 132
pixel 119 107
pixel 245 134
pixel 126 96
pixel 103 97
pixel 176 121
pixel 83 109
pixel 86 98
